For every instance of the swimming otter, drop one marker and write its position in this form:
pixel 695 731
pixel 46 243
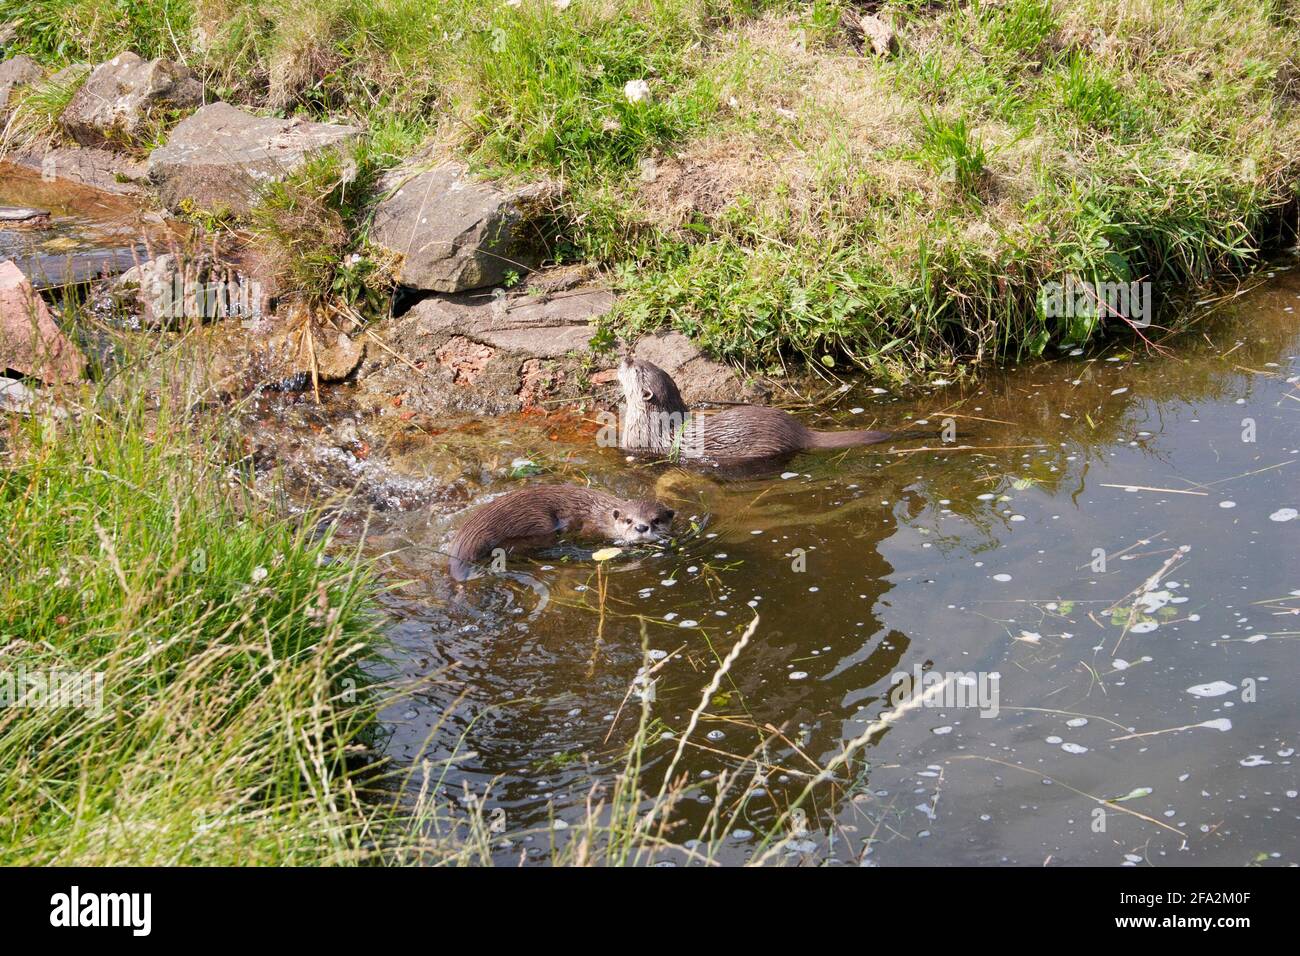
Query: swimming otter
pixel 657 420
pixel 536 516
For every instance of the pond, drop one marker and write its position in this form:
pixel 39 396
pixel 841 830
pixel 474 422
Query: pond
pixel 1100 574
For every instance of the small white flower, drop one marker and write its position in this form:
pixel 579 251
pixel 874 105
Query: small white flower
pixel 561 4
pixel 636 91
pixel 259 575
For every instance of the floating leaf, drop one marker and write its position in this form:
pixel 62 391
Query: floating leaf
pixel 1134 794
pixel 604 554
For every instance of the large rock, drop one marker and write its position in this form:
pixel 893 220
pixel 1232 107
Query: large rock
pixel 120 98
pixel 103 169
pixel 485 354
pixel 220 158
pixel 17 71
pixel 456 233
pixel 30 342
pixel 493 354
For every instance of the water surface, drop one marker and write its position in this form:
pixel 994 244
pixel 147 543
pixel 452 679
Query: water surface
pixel 1181 469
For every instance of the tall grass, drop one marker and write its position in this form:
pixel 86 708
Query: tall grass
pixel 229 643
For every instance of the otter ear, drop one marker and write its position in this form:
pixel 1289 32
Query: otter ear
pixel 617 513
pixel 647 394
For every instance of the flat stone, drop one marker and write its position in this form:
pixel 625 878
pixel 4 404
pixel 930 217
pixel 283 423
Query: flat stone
pixel 103 169
pixel 18 70
pixel 539 326
pixel 120 98
pixel 220 158
pixel 456 233
pixel 30 342
pixel 483 353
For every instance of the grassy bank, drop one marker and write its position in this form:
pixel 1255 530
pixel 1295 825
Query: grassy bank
pixel 214 653
pixel 781 194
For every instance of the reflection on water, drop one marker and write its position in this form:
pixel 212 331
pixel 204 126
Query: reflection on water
pixel 88 233
pixel 1117 536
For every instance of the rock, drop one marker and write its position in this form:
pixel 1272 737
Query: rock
pixel 699 378
pixel 30 342
pixel 121 98
pixel 24 216
pixel 17 71
pixel 456 233
pixel 486 354
pixel 494 354
pixel 866 30
pixel 220 157
pixel 16 397
pixel 103 169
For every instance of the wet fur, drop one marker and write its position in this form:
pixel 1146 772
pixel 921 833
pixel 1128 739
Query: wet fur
pixel 537 517
pixel 658 420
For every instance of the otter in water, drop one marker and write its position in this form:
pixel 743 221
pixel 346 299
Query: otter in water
pixel 657 420
pixel 537 516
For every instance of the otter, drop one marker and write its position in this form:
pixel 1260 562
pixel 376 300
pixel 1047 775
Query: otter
pixel 657 420
pixel 537 516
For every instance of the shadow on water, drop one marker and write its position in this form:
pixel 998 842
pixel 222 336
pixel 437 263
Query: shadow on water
pixel 864 565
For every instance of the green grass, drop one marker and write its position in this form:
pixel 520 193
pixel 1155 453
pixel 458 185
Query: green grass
pixel 897 214
pixel 229 645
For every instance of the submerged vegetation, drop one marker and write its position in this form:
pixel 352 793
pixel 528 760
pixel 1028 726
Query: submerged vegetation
pixel 778 193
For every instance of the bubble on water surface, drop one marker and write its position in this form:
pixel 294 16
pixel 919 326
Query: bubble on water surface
pixel 1070 748
pixel 798 675
pixel 1002 577
pixel 1213 689
pixel 1284 514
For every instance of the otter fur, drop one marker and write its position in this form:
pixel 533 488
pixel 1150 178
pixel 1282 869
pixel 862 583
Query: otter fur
pixel 656 419
pixel 537 516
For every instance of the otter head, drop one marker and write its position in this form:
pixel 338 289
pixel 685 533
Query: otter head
pixel 653 408
pixel 641 522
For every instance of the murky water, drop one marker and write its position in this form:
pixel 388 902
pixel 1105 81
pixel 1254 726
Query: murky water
pixel 87 233
pixel 1113 564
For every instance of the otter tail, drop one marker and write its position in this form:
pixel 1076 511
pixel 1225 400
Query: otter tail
pixel 865 436
pixel 848 439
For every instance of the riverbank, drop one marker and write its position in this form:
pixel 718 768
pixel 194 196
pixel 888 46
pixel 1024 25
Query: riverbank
pixel 756 175
pixel 183 672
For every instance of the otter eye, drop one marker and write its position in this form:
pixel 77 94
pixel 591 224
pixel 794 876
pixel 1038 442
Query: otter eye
pixel 668 516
